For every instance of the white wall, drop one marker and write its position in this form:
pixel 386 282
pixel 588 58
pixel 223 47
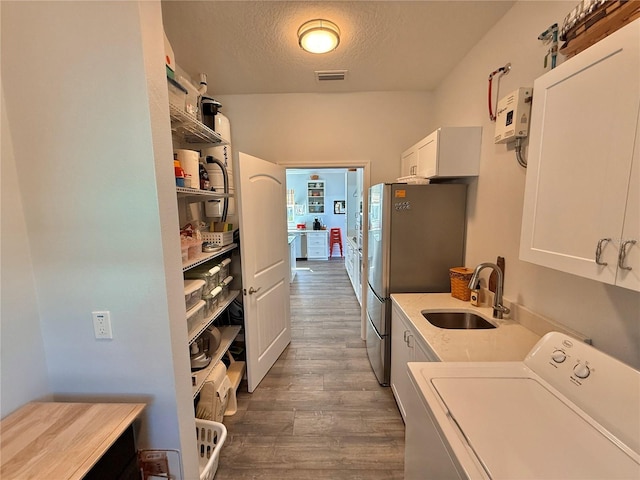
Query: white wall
pixel 607 314
pixel 309 129
pixel 87 111
pixel 23 369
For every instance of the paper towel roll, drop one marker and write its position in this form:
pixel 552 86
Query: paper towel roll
pixel 190 162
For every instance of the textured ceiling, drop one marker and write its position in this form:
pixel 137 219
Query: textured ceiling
pixel 251 46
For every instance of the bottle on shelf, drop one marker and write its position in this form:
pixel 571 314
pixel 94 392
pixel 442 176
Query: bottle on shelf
pixel 179 172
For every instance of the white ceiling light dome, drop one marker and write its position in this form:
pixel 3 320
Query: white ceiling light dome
pixel 319 36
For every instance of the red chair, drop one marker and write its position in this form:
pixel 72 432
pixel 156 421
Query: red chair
pixel 335 238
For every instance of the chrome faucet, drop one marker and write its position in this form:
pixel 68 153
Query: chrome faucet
pixel 498 308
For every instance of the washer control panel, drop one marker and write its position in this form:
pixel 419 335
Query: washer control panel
pixel 601 385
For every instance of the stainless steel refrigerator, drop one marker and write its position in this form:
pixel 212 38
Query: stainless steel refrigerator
pixel 416 234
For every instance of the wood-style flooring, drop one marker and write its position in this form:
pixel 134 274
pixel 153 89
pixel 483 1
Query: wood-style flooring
pixel 319 413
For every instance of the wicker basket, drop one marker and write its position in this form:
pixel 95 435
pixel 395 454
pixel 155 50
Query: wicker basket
pixel 460 277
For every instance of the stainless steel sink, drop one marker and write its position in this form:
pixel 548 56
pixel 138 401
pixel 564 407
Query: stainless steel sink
pixel 457 320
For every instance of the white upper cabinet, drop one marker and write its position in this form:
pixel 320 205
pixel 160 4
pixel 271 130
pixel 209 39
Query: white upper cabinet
pixel 581 203
pixel 447 152
pixel 409 162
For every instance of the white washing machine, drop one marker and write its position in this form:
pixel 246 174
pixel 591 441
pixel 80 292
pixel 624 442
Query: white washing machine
pixel 568 411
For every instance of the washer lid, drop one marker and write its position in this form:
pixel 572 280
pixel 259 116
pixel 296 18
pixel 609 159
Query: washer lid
pixel 520 429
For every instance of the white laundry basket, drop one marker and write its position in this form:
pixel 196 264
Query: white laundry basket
pixel 210 437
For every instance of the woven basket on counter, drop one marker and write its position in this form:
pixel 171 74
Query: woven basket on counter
pixel 460 277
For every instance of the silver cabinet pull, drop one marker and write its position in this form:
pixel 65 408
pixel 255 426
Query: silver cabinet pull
pixel 406 332
pixel 601 243
pixel 252 290
pixel 622 255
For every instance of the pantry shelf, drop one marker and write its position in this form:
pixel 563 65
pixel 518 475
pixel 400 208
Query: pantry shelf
pixel 195 195
pixel 190 130
pixel 205 257
pixel 200 327
pixel 229 334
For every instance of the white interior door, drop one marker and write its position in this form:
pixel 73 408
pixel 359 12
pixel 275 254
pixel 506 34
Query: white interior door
pixel 265 263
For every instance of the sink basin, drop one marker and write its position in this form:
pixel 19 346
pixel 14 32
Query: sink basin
pixel 457 320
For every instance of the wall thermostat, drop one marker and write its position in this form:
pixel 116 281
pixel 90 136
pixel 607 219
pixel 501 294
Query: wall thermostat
pixel 513 114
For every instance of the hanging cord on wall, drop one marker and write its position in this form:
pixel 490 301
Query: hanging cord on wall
pixel 502 71
pixel 522 161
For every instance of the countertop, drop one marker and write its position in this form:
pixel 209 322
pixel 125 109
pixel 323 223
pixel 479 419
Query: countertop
pixel 510 341
pixel 61 440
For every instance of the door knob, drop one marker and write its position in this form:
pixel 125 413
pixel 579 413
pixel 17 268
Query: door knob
pixel 252 290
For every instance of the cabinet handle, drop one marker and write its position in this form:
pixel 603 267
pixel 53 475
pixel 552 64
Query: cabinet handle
pixel 409 341
pixel 252 290
pixel 622 255
pixel 405 335
pixel 601 243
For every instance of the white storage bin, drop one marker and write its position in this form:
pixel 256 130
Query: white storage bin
pixel 210 437
pixel 193 289
pixel 195 315
pixel 218 238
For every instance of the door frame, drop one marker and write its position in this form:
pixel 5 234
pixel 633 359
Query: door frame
pixel 365 165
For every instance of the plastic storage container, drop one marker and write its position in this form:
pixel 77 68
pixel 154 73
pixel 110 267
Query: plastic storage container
pixel 225 288
pixel 212 300
pixel 224 269
pixel 209 275
pixel 210 437
pixel 193 289
pixel 195 315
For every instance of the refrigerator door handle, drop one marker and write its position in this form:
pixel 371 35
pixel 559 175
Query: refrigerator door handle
pixel 373 328
pixel 371 289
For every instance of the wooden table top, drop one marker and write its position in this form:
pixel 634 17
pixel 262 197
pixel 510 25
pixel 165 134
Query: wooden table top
pixel 56 440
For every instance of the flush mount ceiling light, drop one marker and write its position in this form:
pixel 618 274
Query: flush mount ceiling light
pixel 318 36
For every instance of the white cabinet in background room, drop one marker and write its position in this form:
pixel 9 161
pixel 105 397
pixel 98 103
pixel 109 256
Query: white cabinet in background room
pixel 352 265
pixel 315 197
pixel 405 347
pixel 448 152
pixel 581 206
pixel 317 245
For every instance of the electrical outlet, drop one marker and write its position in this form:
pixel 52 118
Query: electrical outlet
pixel 102 325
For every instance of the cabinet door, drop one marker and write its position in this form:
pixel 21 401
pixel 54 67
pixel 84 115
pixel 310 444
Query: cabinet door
pixel 409 162
pixel 580 153
pixel 400 355
pixel 631 278
pixel 427 160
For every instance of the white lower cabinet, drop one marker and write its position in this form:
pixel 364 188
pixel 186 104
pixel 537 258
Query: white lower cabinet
pixel 352 265
pixel 317 245
pixel 406 346
pixel 581 198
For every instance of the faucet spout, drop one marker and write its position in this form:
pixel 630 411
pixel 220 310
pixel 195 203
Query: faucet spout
pixel 498 308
